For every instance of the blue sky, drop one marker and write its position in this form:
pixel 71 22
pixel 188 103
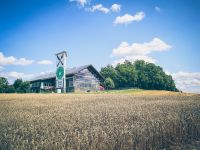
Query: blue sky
pixel 101 32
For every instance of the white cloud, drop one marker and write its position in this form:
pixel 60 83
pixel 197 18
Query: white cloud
pixel 10 60
pixel 80 2
pixel 134 58
pixel 138 51
pixel 115 7
pixel 99 7
pixel 154 45
pixel 157 9
pixel 45 62
pixel 17 75
pixel 127 18
pixel 12 76
pixel 187 81
pixel 23 62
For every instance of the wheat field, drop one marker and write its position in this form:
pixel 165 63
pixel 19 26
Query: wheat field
pixel 99 121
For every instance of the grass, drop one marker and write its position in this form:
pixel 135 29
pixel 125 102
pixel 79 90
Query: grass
pixel 148 120
pixel 123 91
pixel 131 91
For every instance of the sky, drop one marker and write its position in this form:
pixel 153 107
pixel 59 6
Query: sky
pixel 100 32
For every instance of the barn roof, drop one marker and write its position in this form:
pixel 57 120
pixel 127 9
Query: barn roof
pixel 69 72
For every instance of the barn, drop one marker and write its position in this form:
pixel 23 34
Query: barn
pixel 79 79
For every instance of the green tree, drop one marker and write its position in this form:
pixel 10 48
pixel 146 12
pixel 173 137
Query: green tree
pixel 25 86
pixel 151 76
pixel 110 72
pixel 17 83
pixel 21 86
pixel 109 84
pixel 3 84
pixel 10 89
pixel 127 76
pixel 139 74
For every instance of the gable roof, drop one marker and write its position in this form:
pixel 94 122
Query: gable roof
pixel 70 72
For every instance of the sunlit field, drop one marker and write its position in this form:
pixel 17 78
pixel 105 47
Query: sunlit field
pixel 150 120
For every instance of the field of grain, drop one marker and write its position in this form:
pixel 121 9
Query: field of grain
pixel 99 121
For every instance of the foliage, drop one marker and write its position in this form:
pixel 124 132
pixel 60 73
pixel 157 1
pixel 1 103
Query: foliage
pixel 10 89
pixel 127 76
pixel 17 83
pixel 110 72
pixel 109 84
pixel 3 84
pixel 24 88
pixel 19 86
pixel 139 74
pixel 98 121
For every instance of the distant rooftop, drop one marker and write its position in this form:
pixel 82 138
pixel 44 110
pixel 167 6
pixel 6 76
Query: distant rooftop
pixel 69 71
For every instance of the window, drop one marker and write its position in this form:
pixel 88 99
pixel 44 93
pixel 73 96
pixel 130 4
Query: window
pixel 71 84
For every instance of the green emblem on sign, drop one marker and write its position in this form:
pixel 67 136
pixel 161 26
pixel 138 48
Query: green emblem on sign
pixel 60 72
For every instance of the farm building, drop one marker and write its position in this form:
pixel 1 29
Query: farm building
pixel 85 78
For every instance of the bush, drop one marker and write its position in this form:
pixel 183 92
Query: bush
pixel 109 84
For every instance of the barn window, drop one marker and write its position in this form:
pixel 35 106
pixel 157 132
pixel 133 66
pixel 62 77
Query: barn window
pixel 71 84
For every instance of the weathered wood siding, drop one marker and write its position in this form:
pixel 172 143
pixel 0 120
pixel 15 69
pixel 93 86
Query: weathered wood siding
pixel 85 81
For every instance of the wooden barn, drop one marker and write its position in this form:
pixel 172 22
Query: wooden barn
pixel 81 79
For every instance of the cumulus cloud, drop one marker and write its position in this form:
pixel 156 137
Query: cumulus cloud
pixel 13 75
pixel 115 7
pixel 157 9
pixel 132 59
pixel 11 60
pixel 154 45
pixel 99 7
pixel 45 62
pixel 127 18
pixel 187 81
pixel 80 2
pixel 17 75
pixel 138 51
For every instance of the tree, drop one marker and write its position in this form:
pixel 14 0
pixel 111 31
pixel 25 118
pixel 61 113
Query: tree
pixel 24 87
pixel 17 83
pixel 21 86
pixel 3 84
pixel 109 84
pixel 10 89
pixel 127 76
pixel 139 74
pixel 110 72
pixel 151 76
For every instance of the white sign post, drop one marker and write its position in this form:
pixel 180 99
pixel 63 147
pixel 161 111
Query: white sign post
pixel 60 72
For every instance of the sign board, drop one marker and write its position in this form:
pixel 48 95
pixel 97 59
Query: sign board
pixel 60 71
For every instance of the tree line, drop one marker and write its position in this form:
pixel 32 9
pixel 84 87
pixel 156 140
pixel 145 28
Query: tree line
pixel 19 86
pixel 139 74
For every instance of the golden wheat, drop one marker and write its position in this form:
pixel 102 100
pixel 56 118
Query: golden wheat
pixel 98 121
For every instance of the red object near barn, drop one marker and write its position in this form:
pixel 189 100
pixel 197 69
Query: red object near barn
pixel 101 88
